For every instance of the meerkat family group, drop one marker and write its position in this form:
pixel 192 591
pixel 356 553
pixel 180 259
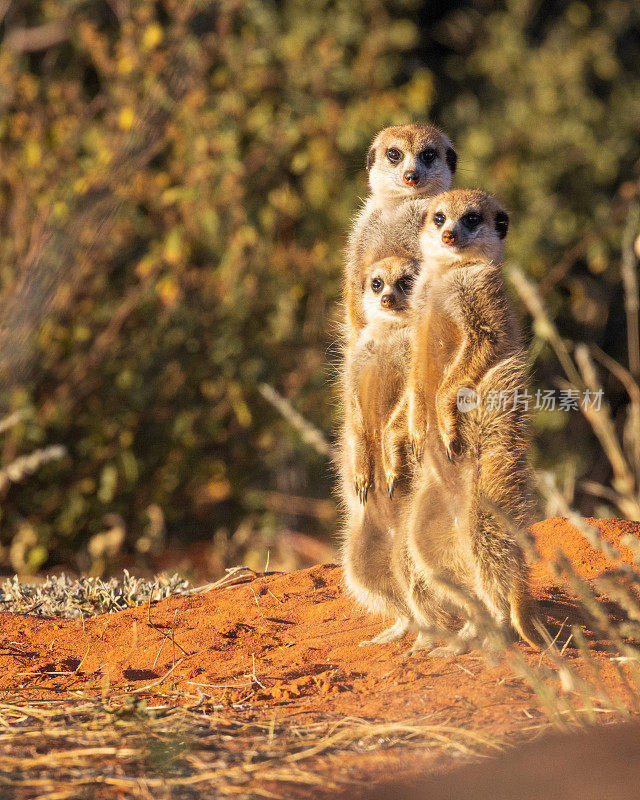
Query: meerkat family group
pixel 432 494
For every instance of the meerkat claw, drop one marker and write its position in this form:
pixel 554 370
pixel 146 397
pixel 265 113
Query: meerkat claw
pixel 417 447
pixel 391 485
pixel 452 448
pixel 362 486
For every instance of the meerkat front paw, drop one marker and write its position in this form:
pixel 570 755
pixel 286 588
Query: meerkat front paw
pixel 391 478
pixel 390 459
pixel 452 445
pixel 363 483
pixel 417 443
pixel 418 437
pixel 448 428
pixel 362 471
pixel 417 425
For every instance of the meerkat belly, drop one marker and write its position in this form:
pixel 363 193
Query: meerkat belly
pixel 379 394
pixel 438 518
pixel 439 340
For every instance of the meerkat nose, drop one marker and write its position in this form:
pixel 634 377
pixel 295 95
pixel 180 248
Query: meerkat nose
pixel 448 237
pixel 411 177
pixel 387 301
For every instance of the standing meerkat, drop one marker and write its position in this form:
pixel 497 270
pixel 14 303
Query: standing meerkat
pixel 374 457
pixel 474 468
pixel 405 163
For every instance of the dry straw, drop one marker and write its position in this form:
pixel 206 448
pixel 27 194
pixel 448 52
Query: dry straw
pixel 131 751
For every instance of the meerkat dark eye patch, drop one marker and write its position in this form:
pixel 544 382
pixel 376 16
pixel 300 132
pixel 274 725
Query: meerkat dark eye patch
pixel 371 157
pixel 502 223
pixel 428 156
pixel 377 284
pixel 405 284
pixel 439 219
pixel 452 159
pixel 394 155
pixel 471 220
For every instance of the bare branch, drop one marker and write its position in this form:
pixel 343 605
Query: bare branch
pixel 42 37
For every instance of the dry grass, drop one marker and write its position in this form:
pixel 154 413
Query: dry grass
pixel 87 749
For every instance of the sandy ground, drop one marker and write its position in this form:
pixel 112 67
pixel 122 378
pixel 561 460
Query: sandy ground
pixel 286 646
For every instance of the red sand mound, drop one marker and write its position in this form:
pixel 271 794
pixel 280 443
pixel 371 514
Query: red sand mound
pixel 287 644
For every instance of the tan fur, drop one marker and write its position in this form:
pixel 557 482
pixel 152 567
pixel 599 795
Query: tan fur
pixel 465 335
pixel 377 230
pixel 374 458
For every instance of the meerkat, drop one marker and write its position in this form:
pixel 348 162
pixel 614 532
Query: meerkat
pixel 375 454
pixel 474 472
pixel 406 163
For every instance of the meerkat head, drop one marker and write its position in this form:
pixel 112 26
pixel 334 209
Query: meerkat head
pixel 462 225
pixel 407 161
pixel 386 288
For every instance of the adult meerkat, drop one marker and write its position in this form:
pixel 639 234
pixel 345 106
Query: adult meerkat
pixel 405 163
pixel 374 458
pixel 474 469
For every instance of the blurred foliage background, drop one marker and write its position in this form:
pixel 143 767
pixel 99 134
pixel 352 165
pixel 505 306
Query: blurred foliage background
pixel 177 181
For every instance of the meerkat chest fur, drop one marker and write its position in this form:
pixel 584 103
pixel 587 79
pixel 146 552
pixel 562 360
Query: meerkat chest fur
pixel 440 324
pixel 379 367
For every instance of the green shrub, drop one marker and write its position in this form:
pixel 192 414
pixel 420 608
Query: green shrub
pixel 177 182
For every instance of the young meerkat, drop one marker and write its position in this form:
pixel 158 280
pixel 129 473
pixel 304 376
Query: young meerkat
pixel 474 471
pixel 374 459
pixel 405 163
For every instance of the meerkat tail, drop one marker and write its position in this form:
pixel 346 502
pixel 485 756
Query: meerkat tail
pixel 524 616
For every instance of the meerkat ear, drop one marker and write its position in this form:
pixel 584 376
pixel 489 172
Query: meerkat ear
pixel 452 159
pixel 371 157
pixel 502 223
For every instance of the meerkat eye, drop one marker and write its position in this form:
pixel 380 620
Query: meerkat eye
pixel 377 284
pixel 405 284
pixel 394 155
pixel 428 155
pixel 471 220
pixel 439 219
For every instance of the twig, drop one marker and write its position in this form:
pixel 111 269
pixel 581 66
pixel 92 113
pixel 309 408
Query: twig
pixel 26 465
pixel 629 276
pixel 308 432
pixel 544 327
pixel 41 37
pixel 157 682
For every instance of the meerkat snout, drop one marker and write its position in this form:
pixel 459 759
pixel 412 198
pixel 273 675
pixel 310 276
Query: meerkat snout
pixel 388 300
pixel 411 177
pixel 448 237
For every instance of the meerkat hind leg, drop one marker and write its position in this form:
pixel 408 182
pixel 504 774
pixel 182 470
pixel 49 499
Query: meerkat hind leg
pixel 423 642
pixel 464 641
pixel 392 634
